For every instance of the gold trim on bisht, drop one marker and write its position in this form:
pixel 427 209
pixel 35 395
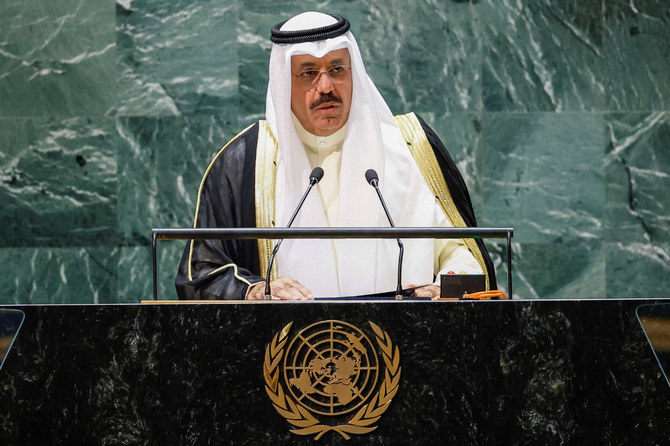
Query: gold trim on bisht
pixel 265 181
pixel 197 205
pixel 423 154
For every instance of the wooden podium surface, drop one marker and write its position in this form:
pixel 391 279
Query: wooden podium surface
pixel 498 372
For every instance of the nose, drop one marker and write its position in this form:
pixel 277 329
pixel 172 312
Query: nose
pixel 324 84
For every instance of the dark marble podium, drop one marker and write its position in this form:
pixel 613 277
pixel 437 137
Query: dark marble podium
pixel 515 372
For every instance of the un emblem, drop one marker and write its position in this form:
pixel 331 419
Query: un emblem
pixel 331 371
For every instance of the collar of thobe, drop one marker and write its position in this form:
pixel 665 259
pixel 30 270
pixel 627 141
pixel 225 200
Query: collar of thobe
pixel 325 152
pixel 319 146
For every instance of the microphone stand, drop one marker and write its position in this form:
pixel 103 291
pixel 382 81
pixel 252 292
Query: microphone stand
pixel 373 179
pixel 314 178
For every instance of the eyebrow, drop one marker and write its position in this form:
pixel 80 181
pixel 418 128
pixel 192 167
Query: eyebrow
pixel 338 61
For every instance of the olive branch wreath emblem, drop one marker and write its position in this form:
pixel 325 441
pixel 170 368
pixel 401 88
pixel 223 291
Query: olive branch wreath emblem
pixel 306 424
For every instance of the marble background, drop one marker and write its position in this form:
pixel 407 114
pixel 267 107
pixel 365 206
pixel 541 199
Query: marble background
pixel 556 111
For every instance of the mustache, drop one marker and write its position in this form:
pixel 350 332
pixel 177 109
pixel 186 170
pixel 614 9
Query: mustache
pixel 328 97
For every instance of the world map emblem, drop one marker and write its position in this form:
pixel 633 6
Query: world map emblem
pixel 333 378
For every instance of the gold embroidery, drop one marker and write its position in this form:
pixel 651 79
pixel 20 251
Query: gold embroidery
pixel 230 265
pixel 265 181
pixel 430 169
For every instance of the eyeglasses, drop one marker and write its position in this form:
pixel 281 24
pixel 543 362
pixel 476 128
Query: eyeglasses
pixel 310 77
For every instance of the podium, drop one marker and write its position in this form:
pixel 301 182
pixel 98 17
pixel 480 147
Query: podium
pixel 496 372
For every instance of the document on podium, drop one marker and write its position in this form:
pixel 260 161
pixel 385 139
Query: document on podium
pixel 386 295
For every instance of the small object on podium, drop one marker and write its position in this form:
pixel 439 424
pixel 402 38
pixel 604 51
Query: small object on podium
pixel 485 295
pixel 455 286
pixel 467 287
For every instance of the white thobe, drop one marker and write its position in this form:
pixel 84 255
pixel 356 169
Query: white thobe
pixel 450 255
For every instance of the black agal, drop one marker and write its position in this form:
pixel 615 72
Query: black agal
pixel 310 35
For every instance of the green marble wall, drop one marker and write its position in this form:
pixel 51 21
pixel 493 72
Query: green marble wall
pixel 557 112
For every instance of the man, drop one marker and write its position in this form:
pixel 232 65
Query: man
pixel 323 110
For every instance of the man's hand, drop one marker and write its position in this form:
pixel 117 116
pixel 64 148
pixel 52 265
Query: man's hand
pixel 432 291
pixel 283 288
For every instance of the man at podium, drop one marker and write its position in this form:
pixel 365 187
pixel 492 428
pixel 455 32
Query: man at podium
pixel 322 110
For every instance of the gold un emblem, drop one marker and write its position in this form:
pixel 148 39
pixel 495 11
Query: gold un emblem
pixel 332 377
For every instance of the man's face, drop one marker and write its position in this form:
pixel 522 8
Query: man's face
pixel 321 101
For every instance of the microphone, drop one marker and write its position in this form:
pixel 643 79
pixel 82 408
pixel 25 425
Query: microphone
pixel 314 177
pixel 373 179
